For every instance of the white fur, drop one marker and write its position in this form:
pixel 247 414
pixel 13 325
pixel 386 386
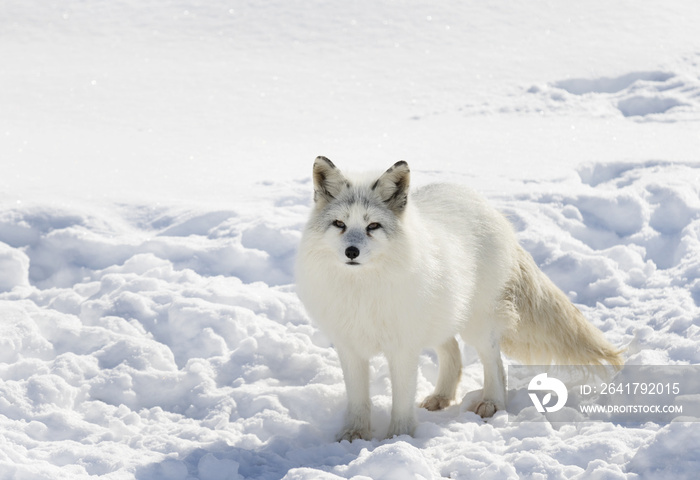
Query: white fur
pixel 447 263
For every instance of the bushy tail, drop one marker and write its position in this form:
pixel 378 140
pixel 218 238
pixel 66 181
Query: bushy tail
pixel 547 327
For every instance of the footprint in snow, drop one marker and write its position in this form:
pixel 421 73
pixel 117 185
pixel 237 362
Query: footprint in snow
pixel 645 95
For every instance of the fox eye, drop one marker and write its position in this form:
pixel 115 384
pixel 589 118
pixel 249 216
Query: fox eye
pixel 373 226
pixel 339 224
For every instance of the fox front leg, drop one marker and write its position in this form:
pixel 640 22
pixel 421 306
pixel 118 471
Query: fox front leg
pixel 404 370
pixel 356 377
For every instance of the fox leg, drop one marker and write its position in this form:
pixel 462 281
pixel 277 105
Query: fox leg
pixel 449 374
pixel 356 377
pixel 404 371
pixel 494 393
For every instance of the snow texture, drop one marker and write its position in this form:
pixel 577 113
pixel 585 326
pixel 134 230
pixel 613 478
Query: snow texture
pixel 156 160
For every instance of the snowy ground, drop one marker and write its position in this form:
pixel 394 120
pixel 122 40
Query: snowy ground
pixel 156 160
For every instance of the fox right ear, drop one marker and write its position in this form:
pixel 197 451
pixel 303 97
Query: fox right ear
pixel 392 186
pixel 328 181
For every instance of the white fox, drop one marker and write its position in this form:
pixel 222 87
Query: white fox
pixel 384 271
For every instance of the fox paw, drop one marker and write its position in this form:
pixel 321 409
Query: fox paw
pixel 351 434
pixel 484 408
pixel 435 402
pixel 401 427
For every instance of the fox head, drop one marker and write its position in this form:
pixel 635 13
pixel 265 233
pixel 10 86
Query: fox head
pixel 356 217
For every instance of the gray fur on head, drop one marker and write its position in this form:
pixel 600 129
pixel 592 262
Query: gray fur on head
pixel 392 186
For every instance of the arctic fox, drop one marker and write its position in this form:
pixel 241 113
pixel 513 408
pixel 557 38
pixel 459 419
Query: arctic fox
pixel 384 271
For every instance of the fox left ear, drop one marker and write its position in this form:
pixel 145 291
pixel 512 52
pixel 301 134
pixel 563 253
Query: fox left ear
pixel 392 186
pixel 329 182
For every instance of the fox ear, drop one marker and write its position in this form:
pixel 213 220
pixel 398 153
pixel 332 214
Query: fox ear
pixel 392 186
pixel 328 181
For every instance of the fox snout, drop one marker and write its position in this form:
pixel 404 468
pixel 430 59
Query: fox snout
pixel 354 239
pixel 352 252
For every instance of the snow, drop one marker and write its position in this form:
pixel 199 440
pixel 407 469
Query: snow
pixel 156 177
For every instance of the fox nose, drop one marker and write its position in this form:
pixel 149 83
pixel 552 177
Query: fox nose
pixel 352 252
